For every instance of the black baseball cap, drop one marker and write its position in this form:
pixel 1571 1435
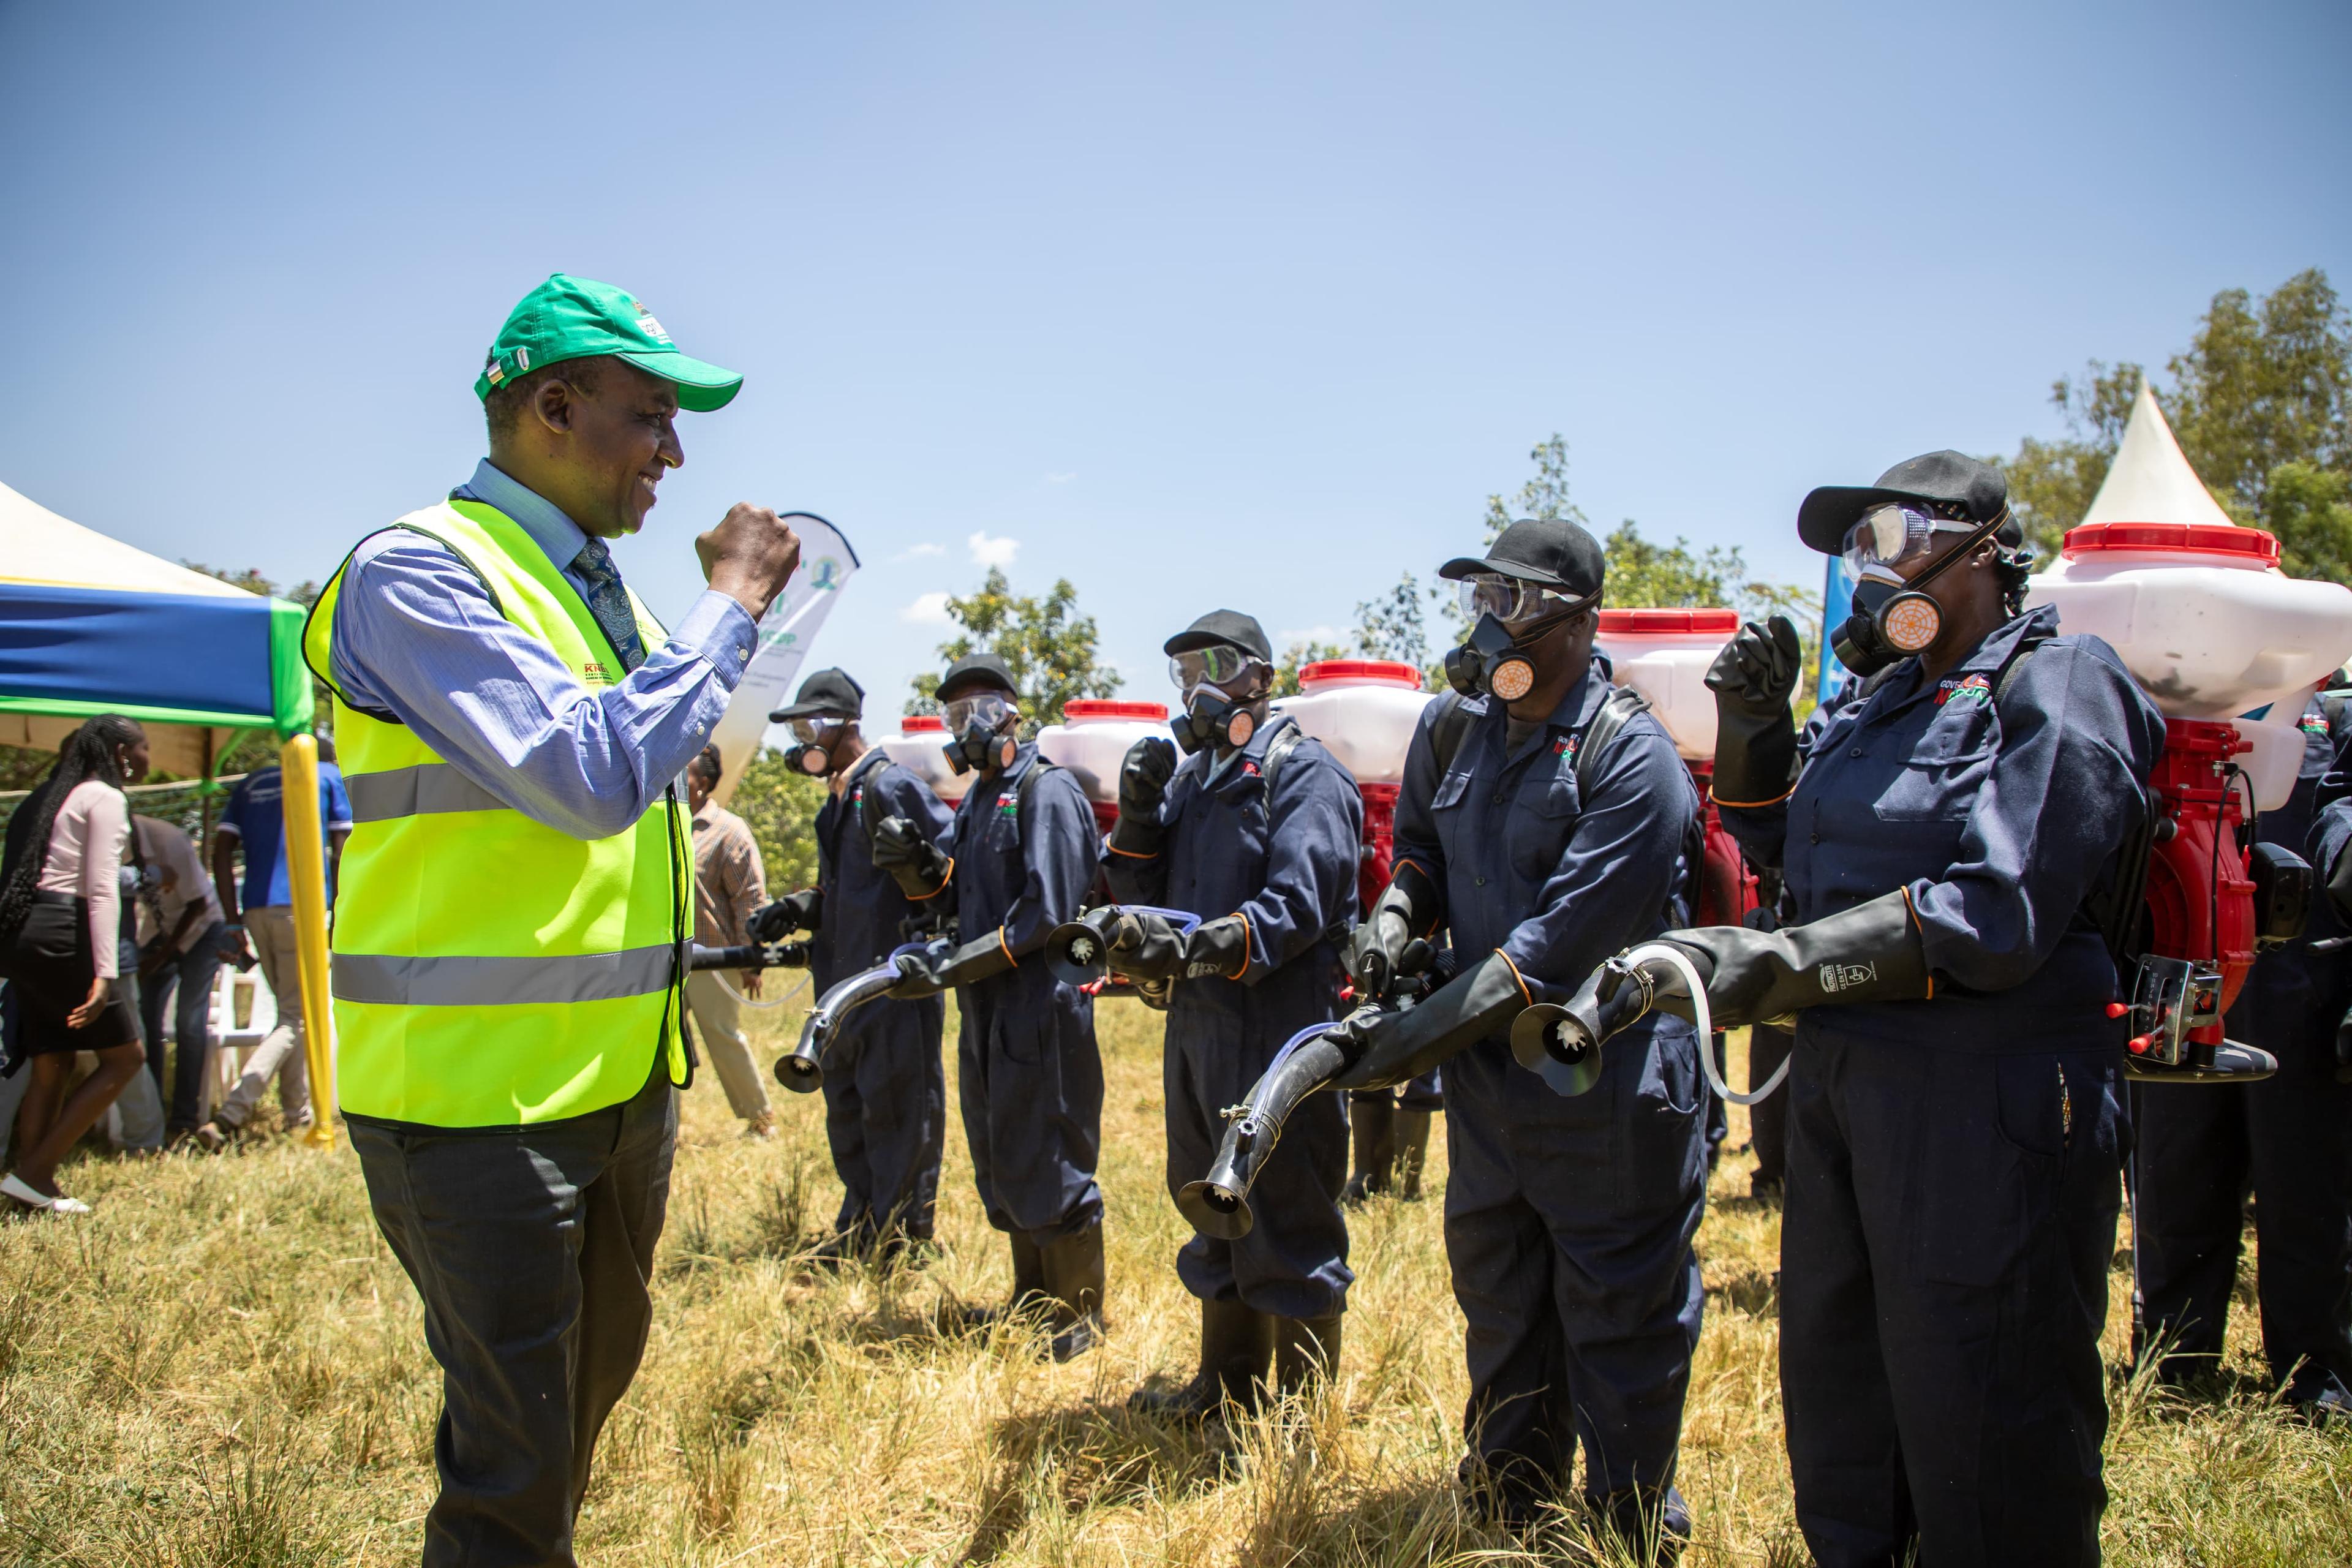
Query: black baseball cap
pixel 1549 550
pixel 1944 478
pixel 826 692
pixel 977 669
pixel 1222 626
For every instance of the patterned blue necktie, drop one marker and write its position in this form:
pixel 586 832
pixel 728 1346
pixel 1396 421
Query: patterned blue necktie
pixel 609 602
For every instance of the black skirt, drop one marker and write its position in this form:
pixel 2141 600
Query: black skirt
pixel 50 968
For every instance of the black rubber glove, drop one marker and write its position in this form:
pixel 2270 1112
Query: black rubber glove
pixel 804 910
pixel 974 962
pixel 1755 733
pixel 1393 1048
pixel 1389 945
pixel 1871 953
pixel 1218 948
pixel 1142 786
pixel 1143 946
pixel 913 861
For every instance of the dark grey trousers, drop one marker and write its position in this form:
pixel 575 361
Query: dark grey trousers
pixel 531 1249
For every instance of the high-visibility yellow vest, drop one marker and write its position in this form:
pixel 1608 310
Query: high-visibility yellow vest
pixel 489 971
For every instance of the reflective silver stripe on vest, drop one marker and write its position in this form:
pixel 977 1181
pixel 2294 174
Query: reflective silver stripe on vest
pixel 426 788
pixel 391 982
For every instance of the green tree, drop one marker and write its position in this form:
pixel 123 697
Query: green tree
pixel 1049 647
pixel 2260 402
pixel 1392 626
pixel 780 803
pixel 1545 495
pixel 1297 657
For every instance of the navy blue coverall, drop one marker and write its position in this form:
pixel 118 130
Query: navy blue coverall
pixel 2288 1138
pixel 1954 1163
pixel 885 1089
pixel 1568 1220
pixel 1287 865
pixel 1030 1075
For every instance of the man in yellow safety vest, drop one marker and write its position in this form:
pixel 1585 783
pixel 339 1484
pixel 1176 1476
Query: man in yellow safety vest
pixel 513 916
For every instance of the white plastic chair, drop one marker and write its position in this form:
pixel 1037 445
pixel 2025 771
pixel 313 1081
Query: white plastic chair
pixel 230 1038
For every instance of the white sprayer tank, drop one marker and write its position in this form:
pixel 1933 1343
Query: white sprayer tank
pixel 1665 655
pixel 2208 625
pixel 1363 710
pixel 1093 740
pixel 921 747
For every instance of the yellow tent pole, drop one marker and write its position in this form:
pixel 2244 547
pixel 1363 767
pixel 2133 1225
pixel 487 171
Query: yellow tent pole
pixel 306 867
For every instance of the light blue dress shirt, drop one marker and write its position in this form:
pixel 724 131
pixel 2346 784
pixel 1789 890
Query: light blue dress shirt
pixel 417 639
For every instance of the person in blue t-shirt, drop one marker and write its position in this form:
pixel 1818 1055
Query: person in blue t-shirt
pixel 254 821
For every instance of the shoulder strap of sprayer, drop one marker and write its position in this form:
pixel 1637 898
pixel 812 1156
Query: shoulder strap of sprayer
pixel 1450 728
pixel 1455 715
pixel 2114 905
pixel 869 799
pixel 1278 751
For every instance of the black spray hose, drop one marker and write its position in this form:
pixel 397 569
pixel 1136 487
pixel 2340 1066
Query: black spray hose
pixel 1078 952
pixel 1218 1203
pixel 802 1072
pixel 778 955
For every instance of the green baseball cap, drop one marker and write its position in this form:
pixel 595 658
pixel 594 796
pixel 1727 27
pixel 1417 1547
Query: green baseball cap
pixel 572 318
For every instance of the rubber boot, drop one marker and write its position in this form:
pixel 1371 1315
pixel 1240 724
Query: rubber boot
pixel 1373 1122
pixel 1306 1351
pixel 1029 1291
pixel 1236 1347
pixel 1412 1151
pixel 1074 1280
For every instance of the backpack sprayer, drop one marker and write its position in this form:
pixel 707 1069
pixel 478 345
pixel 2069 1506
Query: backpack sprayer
pixel 2227 647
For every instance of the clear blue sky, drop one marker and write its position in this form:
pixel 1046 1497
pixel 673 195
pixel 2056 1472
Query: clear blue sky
pixel 1196 305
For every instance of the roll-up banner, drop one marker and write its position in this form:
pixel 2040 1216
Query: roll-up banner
pixel 786 631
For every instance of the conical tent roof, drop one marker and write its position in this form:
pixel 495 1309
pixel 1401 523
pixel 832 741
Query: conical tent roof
pixel 36 545
pixel 2150 479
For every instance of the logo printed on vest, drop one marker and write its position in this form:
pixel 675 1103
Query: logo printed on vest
pixel 1837 977
pixel 597 673
pixel 1976 688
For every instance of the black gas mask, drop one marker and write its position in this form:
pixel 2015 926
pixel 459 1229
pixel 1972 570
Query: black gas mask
pixel 1512 618
pixel 1893 618
pixel 1209 716
pixel 980 726
pixel 807 754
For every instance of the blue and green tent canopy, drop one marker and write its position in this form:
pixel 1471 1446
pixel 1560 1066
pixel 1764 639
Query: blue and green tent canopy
pixel 89 624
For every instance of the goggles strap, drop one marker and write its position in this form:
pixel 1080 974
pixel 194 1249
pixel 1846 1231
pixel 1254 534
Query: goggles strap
pixel 1976 536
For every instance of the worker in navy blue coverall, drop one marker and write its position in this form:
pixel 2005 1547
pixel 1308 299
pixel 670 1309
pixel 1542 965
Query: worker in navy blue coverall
pixel 884 1087
pixel 1569 1220
pixel 2286 1138
pixel 1956 1121
pixel 1020 861
pixel 1270 864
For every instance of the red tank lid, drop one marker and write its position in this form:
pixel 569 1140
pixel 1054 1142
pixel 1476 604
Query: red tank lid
pixel 1661 623
pixel 922 724
pixel 1385 671
pixel 2172 539
pixel 1113 707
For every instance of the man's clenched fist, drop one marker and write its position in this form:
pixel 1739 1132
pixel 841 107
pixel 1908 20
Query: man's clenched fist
pixel 750 556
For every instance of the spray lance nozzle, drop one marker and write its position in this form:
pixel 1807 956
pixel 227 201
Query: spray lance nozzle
pixel 1080 952
pixel 1561 1042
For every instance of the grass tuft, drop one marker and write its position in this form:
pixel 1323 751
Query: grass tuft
pixel 224 1365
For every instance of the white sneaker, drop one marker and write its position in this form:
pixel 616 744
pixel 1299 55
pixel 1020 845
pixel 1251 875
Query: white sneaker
pixel 32 1197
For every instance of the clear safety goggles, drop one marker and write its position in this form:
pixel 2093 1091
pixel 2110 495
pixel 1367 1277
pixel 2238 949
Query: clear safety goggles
pixel 1511 600
pixel 991 708
pixel 806 731
pixel 1219 664
pixel 1893 536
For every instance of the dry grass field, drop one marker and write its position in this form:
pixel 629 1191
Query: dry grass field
pixel 224 1367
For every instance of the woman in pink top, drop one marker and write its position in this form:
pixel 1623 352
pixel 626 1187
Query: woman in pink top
pixel 61 912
